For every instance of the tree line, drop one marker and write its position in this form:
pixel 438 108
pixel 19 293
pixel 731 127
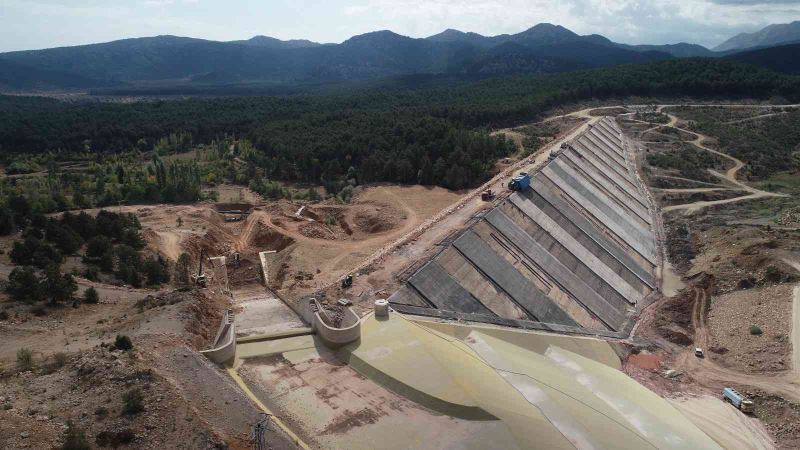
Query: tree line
pixel 434 134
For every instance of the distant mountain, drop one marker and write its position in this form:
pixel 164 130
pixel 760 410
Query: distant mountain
pixel 174 60
pixel 766 37
pixel 451 35
pixel 784 58
pixel 271 42
pixel 17 76
pixel 547 34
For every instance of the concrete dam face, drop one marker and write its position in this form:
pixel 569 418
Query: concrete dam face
pixel 576 252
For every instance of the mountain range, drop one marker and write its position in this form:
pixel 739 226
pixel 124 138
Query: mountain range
pixel 767 37
pixel 173 60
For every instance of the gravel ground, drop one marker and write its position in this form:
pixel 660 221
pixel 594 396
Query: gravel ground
pixel 730 318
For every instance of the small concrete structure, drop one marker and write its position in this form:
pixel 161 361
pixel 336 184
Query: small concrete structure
pixel 223 347
pixel 334 333
pixel 381 308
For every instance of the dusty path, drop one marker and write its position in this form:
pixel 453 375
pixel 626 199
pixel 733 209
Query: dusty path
pixel 747 119
pixel 729 175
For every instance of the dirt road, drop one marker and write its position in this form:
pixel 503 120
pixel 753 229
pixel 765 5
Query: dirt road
pixel 729 175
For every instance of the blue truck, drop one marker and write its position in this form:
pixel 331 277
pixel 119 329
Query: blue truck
pixel 520 182
pixel 738 400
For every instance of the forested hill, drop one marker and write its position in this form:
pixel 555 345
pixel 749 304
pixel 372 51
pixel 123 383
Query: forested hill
pixel 174 60
pixel 384 134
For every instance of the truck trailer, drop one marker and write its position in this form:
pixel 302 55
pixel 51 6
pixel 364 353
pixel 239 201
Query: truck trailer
pixel 738 400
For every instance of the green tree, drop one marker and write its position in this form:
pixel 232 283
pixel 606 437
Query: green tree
pixel 90 296
pixel 23 285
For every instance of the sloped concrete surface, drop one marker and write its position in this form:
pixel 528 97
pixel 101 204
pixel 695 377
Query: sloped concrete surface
pixel 577 249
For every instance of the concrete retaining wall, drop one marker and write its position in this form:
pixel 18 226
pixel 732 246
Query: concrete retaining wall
pixel 349 330
pixel 223 348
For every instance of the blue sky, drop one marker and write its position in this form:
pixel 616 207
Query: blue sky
pixel 33 24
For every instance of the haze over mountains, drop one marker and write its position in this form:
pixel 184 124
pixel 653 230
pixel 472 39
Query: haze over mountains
pixel 172 60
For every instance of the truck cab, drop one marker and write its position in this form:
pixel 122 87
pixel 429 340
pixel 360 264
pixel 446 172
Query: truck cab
pixel 738 400
pixel 520 182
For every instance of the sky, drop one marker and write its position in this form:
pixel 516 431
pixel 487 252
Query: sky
pixel 35 24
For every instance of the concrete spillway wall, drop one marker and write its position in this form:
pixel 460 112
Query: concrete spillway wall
pixel 223 348
pixel 575 251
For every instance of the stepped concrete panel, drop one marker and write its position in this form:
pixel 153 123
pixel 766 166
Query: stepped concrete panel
pixel 480 287
pixel 510 280
pixel 579 252
pixel 536 275
pixel 566 279
pixel 641 218
pixel 612 217
pixel 609 179
pixel 439 288
pixel 591 227
pixel 614 173
pixel 606 151
pixel 588 170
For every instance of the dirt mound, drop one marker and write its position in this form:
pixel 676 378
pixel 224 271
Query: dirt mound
pixel 248 272
pixel 266 238
pixel 376 218
pixel 213 243
pixel 316 230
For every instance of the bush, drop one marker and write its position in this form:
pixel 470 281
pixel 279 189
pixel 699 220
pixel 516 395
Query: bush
pixel 133 402
pixel 23 285
pixel 101 412
pixel 90 296
pixel 60 359
pixel 24 359
pixel 114 439
pixel 123 343
pixel 755 330
pixel 3 315
pixel 75 439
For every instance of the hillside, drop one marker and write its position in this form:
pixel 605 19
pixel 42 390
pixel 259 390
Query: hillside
pixel 182 61
pixel 768 36
pixel 783 58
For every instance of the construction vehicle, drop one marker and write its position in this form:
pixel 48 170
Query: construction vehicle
pixel 347 281
pixel 520 182
pixel 200 277
pixel 487 195
pixel 738 400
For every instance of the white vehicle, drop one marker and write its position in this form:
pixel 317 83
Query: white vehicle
pixel 698 352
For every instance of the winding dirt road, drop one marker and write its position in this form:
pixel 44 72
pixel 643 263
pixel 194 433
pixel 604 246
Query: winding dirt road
pixel 729 176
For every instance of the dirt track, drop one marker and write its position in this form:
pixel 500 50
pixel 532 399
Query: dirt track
pixel 729 175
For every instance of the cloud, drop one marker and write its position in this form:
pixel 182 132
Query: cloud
pixel 756 2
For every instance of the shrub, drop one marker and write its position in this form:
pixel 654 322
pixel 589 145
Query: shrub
pixel 101 412
pixel 75 438
pixel 23 285
pixel 90 296
pixel 133 402
pixel 60 359
pixel 123 343
pixel 3 315
pixel 114 439
pixel 755 330
pixel 24 359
